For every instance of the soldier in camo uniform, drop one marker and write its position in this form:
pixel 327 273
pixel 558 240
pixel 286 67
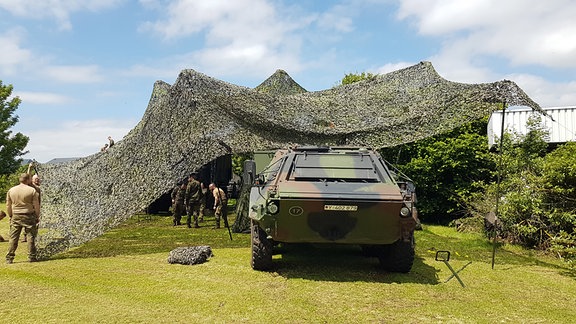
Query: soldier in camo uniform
pixel 192 200
pixel 178 195
pixel 203 192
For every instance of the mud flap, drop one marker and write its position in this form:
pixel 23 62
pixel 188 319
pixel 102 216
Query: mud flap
pixel 407 227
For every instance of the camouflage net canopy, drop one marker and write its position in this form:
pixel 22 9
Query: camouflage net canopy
pixel 199 118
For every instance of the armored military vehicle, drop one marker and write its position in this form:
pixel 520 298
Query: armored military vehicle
pixel 343 195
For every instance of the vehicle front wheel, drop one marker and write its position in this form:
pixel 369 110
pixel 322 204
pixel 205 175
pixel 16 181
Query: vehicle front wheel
pixel 398 256
pixel 261 248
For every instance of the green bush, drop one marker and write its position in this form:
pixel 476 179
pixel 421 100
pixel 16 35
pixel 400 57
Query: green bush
pixel 536 195
pixel 446 169
pixel 456 178
pixel 564 245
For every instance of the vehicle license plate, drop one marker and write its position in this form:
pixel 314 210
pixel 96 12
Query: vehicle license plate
pixel 340 207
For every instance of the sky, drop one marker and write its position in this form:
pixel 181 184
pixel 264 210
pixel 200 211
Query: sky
pixel 85 69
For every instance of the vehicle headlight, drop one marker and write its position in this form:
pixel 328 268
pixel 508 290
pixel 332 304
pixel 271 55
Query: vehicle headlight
pixel 404 211
pixel 272 207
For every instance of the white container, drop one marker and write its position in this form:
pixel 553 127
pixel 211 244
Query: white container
pixel 561 123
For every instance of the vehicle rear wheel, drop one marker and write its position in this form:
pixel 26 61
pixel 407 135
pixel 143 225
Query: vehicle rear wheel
pixel 261 248
pixel 398 256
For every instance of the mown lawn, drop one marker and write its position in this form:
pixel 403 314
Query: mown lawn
pixel 123 277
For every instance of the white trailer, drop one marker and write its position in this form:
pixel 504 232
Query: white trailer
pixel 561 123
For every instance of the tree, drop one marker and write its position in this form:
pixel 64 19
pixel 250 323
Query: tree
pixel 447 169
pixel 560 184
pixel 8 181
pixel 11 147
pixel 355 77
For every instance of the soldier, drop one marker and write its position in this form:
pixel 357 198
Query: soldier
pixel 192 200
pixel 203 192
pixel 36 185
pixel 23 204
pixel 35 178
pixel 220 203
pixel 178 195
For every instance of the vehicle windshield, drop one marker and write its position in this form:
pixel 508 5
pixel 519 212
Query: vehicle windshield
pixel 337 167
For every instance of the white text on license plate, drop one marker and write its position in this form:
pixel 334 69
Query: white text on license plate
pixel 340 207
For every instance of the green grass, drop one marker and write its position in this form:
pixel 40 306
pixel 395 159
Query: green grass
pixel 123 277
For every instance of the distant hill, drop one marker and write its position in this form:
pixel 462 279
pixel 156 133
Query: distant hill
pixel 62 160
pixel 26 161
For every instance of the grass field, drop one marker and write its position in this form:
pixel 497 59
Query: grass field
pixel 123 277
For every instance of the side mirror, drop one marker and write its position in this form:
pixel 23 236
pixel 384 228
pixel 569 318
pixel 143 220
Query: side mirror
pixel 261 180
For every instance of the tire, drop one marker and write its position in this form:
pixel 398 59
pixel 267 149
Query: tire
pixel 261 248
pixel 398 256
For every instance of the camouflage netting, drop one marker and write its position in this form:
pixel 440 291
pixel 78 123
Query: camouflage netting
pixel 190 255
pixel 200 118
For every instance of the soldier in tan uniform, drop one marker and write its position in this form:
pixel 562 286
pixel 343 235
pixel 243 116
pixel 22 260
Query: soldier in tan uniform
pixel 36 184
pixel 23 205
pixel 220 203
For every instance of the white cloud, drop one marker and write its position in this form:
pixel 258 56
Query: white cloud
pixel 59 10
pixel 253 38
pixel 457 68
pixel 337 18
pixel 42 98
pixel 523 32
pixel 74 138
pixel 185 18
pixel 12 55
pixel 247 61
pixel 241 37
pixel 545 92
pixel 163 70
pixel 476 35
pixel 15 59
pixel 392 67
pixel 73 73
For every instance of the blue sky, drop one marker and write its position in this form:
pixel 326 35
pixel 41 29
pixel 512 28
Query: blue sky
pixel 85 69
